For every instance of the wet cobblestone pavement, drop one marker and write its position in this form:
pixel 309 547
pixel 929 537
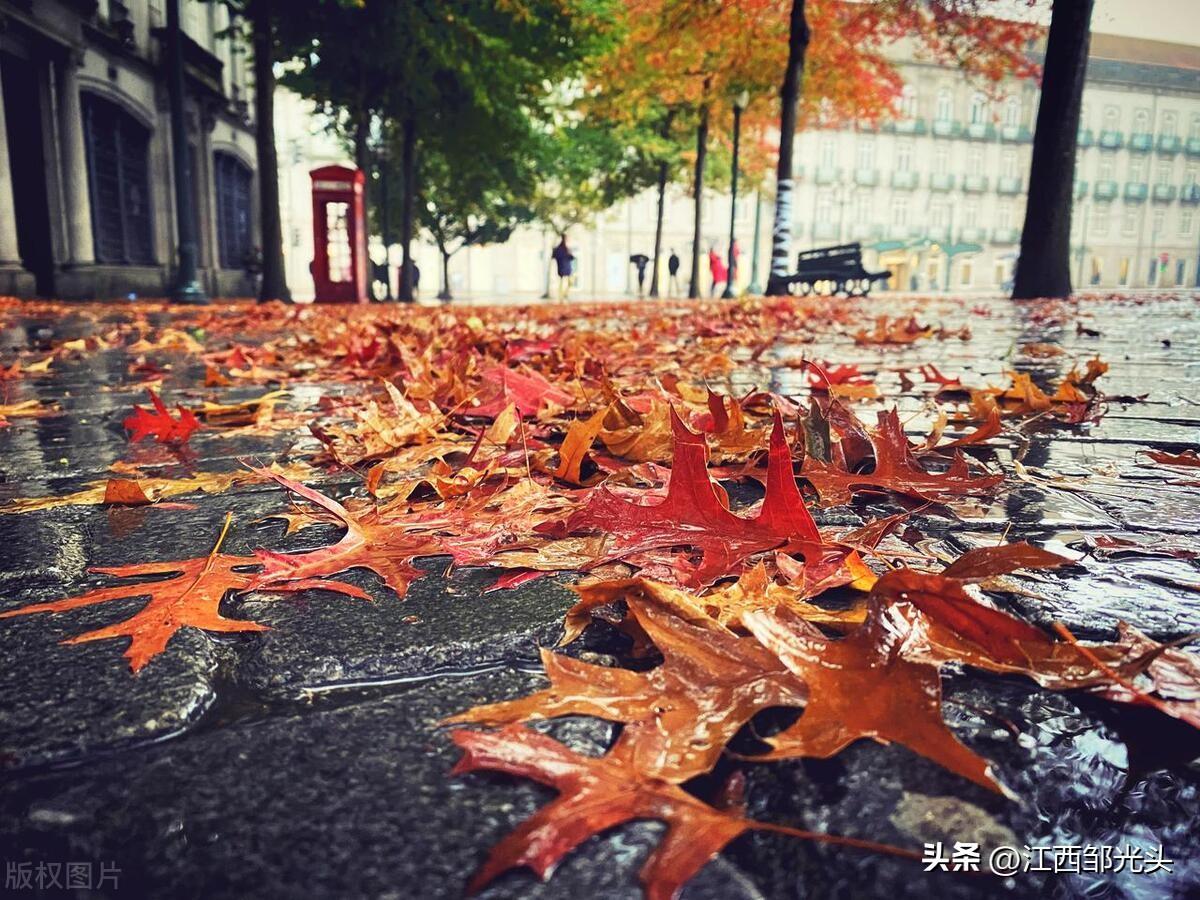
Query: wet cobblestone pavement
pixel 305 760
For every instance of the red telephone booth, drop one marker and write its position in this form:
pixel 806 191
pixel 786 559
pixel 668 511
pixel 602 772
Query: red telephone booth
pixel 339 266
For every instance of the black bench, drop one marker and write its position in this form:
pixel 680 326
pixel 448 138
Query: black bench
pixel 834 270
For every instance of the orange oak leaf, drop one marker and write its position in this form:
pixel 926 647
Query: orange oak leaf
pixel 598 793
pixel 190 597
pixel 123 492
pixel 159 424
pixel 710 683
pixel 895 470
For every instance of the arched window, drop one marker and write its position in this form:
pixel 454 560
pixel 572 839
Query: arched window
pixel 1112 118
pixel 945 105
pixel 1012 112
pixel 979 109
pixel 232 179
pixel 118 182
pixel 1170 123
pixel 1141 121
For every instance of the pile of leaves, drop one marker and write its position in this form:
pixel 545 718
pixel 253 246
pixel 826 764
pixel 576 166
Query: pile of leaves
pixel 593 441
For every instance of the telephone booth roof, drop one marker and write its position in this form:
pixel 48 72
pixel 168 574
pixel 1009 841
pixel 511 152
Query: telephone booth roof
pixel 337 173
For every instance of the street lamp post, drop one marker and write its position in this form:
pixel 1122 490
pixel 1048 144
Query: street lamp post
pixel 755 289
pixel 185 289
pixel 740 102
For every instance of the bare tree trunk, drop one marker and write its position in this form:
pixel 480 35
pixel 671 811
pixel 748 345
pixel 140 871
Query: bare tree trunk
pixel 408 163
pixel 789 95
pixel 362 158
pixel 1044 265
pixel 663 172
pixel 698 185
pixel 274 275
pixel 444 293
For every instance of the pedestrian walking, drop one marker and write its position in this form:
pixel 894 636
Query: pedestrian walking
pixel 716 268
pixel 640 261
pixel 564 265
pixel 673 274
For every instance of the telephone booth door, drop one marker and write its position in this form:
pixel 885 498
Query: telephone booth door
pixel 339 266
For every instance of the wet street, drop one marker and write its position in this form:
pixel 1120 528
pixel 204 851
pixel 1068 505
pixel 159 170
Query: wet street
pixel 306 759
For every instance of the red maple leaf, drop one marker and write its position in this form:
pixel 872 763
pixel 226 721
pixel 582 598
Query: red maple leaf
pixel 159 423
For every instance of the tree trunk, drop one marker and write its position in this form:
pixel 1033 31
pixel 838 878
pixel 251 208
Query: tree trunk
pixel 274 275
pixel 362 158
pixel 663 172
pixel 444 293
pixel 1044 264
pixel 408 163
pixel 698 184
pixel 789 95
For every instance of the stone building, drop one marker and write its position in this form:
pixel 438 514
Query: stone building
pixel 86 187
pixel 938 196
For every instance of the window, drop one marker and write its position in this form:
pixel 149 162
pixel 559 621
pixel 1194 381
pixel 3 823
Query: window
pixel 1004 214
pixel 908 102
pixel 1152 273
pixel 979 109
pixel 862 207
pixel 1189 176
pixel 866 153
pixel 118 183
pixel 1112 118
pixel 1008 164
pixel 1129 222
pixel 1162 174
pixel 1194 128
pixel 904 156
pixel 1123 272
pixel 941 158
pixel 971 213
pixel 966 273
pixel 1141 121
pixel 1097 270
pixel 900 211
pixel 824 210
pixel 1137 169
pixel 1100 222
pixel 337 242
pixel 1107 169
pixel 1170 123
pixel 939 214
pixel 1185 223
pixel 828 152
pixel 1180 272
pixel 945 105
pixel 232 181
pixel 1012 112
pixel 1083 115
pixel 975 161
pixel 1158 222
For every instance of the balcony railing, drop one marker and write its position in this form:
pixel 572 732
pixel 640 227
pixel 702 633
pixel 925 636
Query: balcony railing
pixel 1081 189
pixel 939 233
pixel 946 128
pixel 1008 184
pixel 866 177
pixel 1192 147
pixel 975 184
pixel 911 126
pixel 1018 134
pixel 971 235
pixel 1105 190
pixel 864 231
pixel 941 181
pixel 1086 138
pixel 1190 194
pixel 980 131
pixel 826 174
pixel 1140 142
pixel 1169 144
pixel 1136 191
pixel 1005 236
pixel 1163 193
pixel 1112 140
pixel 904 180
pixel 823 231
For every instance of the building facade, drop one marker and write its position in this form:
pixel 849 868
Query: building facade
pixel 87 203
pixel 938 196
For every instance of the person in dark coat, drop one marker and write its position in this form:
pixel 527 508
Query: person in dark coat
pixel 564 265
pixel 673 273
pixel 640 261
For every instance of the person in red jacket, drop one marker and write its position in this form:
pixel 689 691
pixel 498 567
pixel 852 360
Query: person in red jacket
pixel 716 268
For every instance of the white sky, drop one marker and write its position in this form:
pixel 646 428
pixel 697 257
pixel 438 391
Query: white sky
pixel 1177 21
